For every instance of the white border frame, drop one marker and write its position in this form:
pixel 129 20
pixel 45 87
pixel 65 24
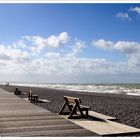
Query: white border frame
pixel 69 2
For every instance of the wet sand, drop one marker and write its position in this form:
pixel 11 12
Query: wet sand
pixel 125 108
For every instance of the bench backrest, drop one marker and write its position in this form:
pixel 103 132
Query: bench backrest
pixel 72 100
pixel 30 93
pixel 17 91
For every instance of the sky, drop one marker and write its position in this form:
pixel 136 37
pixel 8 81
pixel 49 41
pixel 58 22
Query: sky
pixel 70 43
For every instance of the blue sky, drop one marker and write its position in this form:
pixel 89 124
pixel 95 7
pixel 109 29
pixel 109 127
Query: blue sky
pixel 70 42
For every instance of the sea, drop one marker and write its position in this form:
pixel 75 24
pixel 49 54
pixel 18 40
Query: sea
pixel 127 89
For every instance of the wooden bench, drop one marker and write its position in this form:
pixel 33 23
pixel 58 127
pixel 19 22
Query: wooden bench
pixel 32 97
pixel 17 91
pixel 74 105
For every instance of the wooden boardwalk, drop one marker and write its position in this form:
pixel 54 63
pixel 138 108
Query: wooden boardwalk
pixel 19 118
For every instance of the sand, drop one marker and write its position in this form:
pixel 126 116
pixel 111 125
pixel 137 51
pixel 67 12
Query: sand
pixel 125 108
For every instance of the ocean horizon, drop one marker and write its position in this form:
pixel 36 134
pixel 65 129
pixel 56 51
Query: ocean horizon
pixel 108 88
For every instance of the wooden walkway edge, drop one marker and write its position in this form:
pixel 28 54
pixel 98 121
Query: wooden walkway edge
pixel 100 116
pixel 104 125
pixel 19 118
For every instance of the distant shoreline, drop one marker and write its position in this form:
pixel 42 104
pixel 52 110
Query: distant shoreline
pixel 118 88
pixel 125 108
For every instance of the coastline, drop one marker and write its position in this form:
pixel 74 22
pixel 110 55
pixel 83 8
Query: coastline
pixel 125 108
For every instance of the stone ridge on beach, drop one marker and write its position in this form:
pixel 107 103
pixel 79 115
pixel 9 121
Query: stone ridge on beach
pixel 125 108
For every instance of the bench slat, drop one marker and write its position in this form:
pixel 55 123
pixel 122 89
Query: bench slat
pixel 72 99
pixel 83 106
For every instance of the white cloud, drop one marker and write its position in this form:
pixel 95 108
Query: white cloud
pixel 134 60
pixel 52 55
pixel 58 41
pixel 135 9
pixel 101 43
pixel 12 54
pixel 64 37
pixel 77 66
pixel 78 46
pixel 123 16
pixel 129 48
pixel 19 58
pixel 36 43
pixel 53 42
pixel 20 44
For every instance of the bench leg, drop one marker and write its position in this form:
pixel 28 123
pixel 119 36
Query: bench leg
pixel 61 110
pixel 32 98
pixel 29 97
pixel 36 98
pixel 86 113
pixel 80 111
pixel 72 112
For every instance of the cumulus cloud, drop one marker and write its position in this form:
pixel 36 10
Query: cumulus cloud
pixel 77 66
pixel 19 58
pixel 58 41
pixel 135 9
pixel 101 43
pixel 6 53
pixel 37 43
pixel 78 46
pixel 129 48
pixel 52 63
pixel 52 55
pixel 134 60
pixel 123 16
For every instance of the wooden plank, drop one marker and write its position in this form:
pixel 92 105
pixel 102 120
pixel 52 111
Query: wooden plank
pixel 106 128
pixel 21 118
pixel 39 128
pixel 16 104
pixel 24 118
pixel 18 111
pixel 33 123
pixel 18 108
pixel 100 116
pixel 25 114
pixel 50 133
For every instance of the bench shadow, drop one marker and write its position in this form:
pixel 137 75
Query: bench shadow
pixel 89 118
pixel 37 101
pixel 92 118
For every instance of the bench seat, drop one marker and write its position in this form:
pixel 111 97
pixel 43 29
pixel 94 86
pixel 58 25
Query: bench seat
pixel 32 97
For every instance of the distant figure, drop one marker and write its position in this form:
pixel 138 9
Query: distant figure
pixel 17 91
pixel 7 84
